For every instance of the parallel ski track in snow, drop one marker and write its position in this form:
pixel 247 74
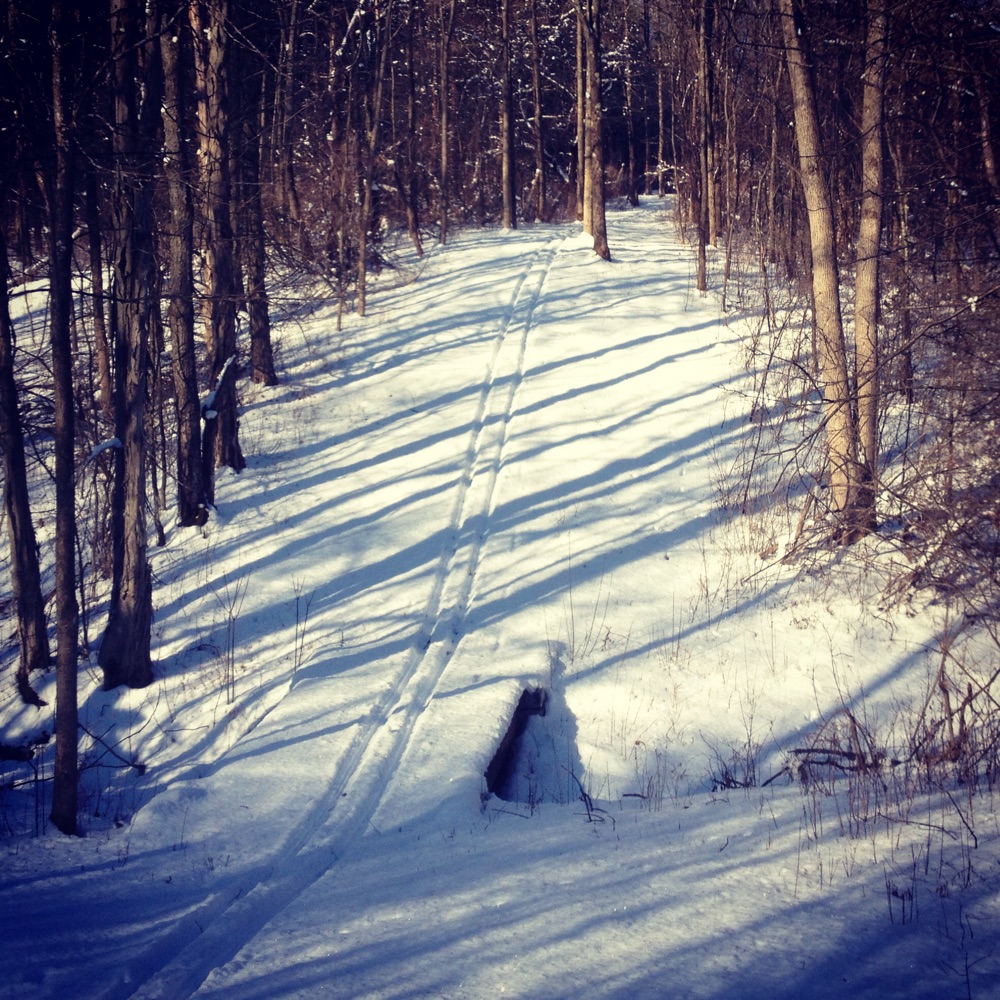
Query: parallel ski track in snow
pixel 213 934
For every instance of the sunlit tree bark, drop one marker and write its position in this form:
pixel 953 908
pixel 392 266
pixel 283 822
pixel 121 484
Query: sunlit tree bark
pixel 867 285
pixel 844 469
pixel 589 15
pixel 125 651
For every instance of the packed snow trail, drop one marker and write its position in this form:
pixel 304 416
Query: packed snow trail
pixel 214 933
pixel 401 763
pixel 506 476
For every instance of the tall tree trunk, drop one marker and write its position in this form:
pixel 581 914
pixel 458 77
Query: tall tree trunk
pixel 508 181
pixel 541 196
pixel 29 606
pixel 704 118
pixel 192 496
pixel 370 148
pixel 772 181
pixel 283 166
pixel 866 309
pixel 986 137
pixel 446 11
pixel 409 186
pixel 661 132
pixel 66 770
pixel 251 249
pixel 632 184
pixel 102 350
pixel 589 15
pixel 841 433
pixel 712 186
pixel 208 28
pixel 125 652
pixel 582 208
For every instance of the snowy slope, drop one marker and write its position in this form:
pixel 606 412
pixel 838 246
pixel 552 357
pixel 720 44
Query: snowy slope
pixel 507 477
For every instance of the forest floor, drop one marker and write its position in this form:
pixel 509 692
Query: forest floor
pixel 512 475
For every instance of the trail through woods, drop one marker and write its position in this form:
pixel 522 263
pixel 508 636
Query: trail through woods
pixel 506 477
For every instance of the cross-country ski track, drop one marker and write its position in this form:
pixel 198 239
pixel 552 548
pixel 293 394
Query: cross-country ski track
pixel 364 773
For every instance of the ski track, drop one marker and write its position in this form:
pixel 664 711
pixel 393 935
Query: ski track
pixel 214 934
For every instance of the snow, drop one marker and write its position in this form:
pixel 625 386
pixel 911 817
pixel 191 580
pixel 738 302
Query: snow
pixel 104 446
pixel 506 477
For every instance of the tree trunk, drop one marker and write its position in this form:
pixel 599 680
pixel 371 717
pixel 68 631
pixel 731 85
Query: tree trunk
pixel 66 771
pixel 866 310
pixel 541 209
pixel 370 149
pixel 632 184
pixel 125 653
pixel 29 606
pixel 508 181
pixel 841 433
pixel 283 167
pixel 250 218
pixel 95 243
pixel 589 15
pixel 661 134
pixel 192 496
pixel 713 186
pixel 582 208
pixel 704 186
pixel 409 187
pixel 447 26
pixel 986 137
pixel 208 27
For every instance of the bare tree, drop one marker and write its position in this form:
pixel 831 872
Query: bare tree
pixel 703 185
pixel 29 606
pixel 446 31
pixel 175 52
pixel 538 117
pixel 582 205
pixel 95 241
pixel 866 308
pixel 849 495
pixel 209 34
pixel 125 652
pixel 588 13
pixel 380 38
pixel 60 197
pixel 249 207
pixel 508 173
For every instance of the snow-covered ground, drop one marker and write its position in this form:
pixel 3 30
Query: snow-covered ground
pixel 507 477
